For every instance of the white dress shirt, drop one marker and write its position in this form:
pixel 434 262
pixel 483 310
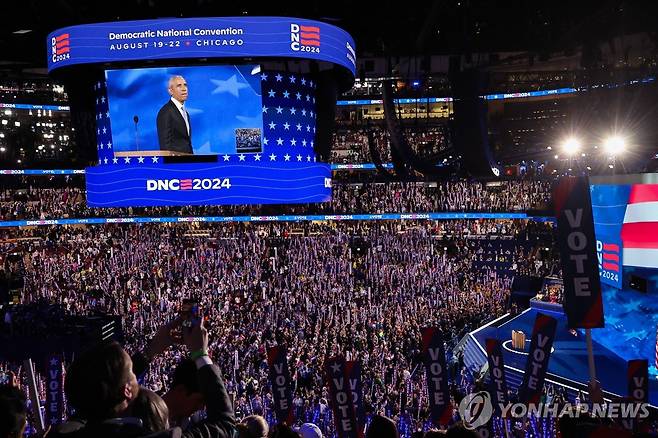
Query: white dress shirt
pixel 183 113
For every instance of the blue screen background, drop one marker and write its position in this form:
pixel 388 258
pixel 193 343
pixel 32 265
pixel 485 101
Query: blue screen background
pixel 221 99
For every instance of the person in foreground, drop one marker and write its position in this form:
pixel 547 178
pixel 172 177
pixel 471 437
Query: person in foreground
pixel 173 121
pixel 102 387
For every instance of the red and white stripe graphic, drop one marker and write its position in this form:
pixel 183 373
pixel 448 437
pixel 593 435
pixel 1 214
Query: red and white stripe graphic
pixel 310 35
pixel 639 232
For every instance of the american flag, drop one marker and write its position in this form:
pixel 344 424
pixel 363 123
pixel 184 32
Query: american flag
pixel 639 231
pixel 289 118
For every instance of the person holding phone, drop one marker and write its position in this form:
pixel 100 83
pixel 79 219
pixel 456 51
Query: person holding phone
pixel 100 384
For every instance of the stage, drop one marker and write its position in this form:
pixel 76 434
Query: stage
pixel 568 362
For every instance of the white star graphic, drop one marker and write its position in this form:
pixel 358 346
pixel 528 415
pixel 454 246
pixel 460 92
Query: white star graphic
pixel 272 125
pixel 310 84
pixel 257 157
pixel 109 145
pixel 154 159
pixel 97 101
pixel 264 109
pixel 286 94
pixel 314 100
pixel 107 115
pixel 310 113
pixel 303 142
pixel 230 85
pixel 278 77
pixel 279 141
pixel 102 99
pixel 299 126
pixel 115 160
pixel 286 126
pixel 299 158
pixel 303 81
pixel 311 143
pixel 293 110
pixel 101 145
pixel 314 129
pixel 265 141
pixel 308 158
pixel 98 132
pixel 293 142
pixel 100 161
pixel 272 157
pixel 303 112
pixel 263 77
pixel 308 128
pixel 298 96
pixel 335 368
pixel 227 157
pixel 104 130
pixel 105 160
pixel 241 157
pixel 315 159
pixel 140 160
pixel 292 79
pixel 279 110
pixel 127 160
pixel 271 93
pixel 308 97
pixel 286 157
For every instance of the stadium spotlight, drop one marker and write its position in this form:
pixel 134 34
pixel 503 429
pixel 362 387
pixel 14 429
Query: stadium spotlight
pixel 614 145
pixel 571 146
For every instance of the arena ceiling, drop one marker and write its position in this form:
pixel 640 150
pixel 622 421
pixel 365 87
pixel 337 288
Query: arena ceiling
pixel 380 28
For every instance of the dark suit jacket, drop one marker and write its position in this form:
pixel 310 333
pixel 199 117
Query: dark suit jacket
pixel 172 131
pixel 219 423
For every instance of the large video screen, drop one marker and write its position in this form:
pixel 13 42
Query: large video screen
pixel 625 210
pixel 206 135
pixel 207 110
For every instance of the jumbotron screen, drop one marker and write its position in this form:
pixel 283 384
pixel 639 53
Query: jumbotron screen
pixel 208 110
pixel 203 135
pixel 625 209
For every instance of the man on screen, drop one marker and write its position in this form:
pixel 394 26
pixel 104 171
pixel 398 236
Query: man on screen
pixel 174 128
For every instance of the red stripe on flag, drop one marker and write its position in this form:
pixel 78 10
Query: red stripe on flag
pixel 613 257
pixel 610 267
pixel 62 37
pixel 640 235
pixel 63 50
pixel 310 29
pixel 62 43
pixel 643 193
pixel 310 35
pixel 611 247
pixel 310 43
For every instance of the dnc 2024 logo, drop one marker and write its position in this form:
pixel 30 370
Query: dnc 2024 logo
pixel 60 47
pixel 304 38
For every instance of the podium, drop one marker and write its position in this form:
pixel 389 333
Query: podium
pixel 518 340
pixel 151 153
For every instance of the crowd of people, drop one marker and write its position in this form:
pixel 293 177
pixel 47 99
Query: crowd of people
pixel 67 200
pixel 361 289
pixel 351 145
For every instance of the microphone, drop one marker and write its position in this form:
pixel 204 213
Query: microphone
pixel 136 121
